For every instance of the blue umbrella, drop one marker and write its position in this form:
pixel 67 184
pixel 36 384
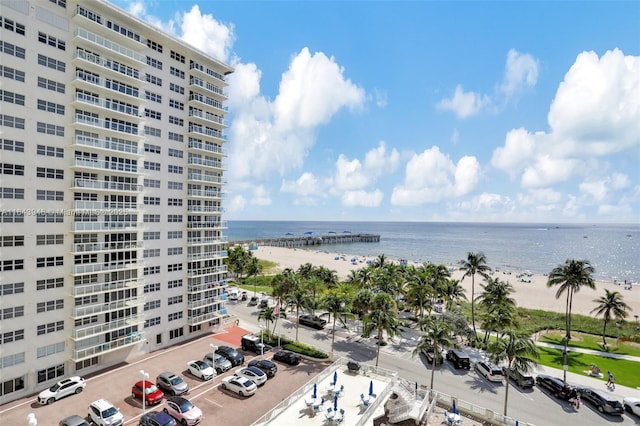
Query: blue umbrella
pixel 335 403
pixel 371 388
pixel 335 377
pixel 315 391
pixel 453 408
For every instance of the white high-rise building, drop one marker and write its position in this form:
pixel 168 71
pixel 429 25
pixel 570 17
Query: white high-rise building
pixel 111 151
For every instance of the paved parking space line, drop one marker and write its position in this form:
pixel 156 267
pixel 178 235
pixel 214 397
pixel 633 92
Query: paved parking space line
pixel 213 402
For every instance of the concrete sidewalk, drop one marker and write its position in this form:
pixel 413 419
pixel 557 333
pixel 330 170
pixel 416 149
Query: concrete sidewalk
pixel 590 352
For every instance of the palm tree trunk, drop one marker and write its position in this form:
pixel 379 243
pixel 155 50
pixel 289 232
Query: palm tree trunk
pixel 566 318
pixel 604 331
pixel 569 318
pixel 297 321
pixel 333 335
pixel 379 344
pixel 473 304
pixel 433 364
pixel 506 391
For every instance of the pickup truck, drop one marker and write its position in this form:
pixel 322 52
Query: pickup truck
pixel 312 321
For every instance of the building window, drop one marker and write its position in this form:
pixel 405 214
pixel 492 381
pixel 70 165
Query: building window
pixel 11 360
pixel 153 149
pixel 50 373
pixel 154 63
pixel 11 169
pixel 172 251
pixel 176 137
pixel 152 183
pixel 50 305
pixel 11 25
pixel 51 41
pixel 178 57
pixel 12 193
pixel 153 304
pixel 50 151
pixel 174 202
pixel 175 88
pixel 12 217
pixel 50 129
pixel 10 49
pixel 152 201
pixel 152 131
pixel 154 97
pixel 152 114
pixel 174 316
pixel 151 253
pixel 174 299
pixel 50 218
pixel 151 218
pixel 151 270
pixel 175 104
pixel 151 165
pixel 178 73
pixel 12 241
pixel 49 240
pixel 174 185
pixel 151 322
pixel 50 107
pixel 175 283
pixel 172 235
pixel 50 85
pixel 49 283
pixel 153 79
pixel 13 74
pixel 150 288
pixel 12 336
pixel 11 145
pixel 174 267
pixel 12 385
pixel 12 312
pixel 51 327
pixel 175 169
pixel 47 173
pixel 11 121
pixel 12 98
pixel 13 265
pixel 11 288
pixel 87 363
pixel 155 235
pixel 155 46
pixel 175 120
pixel 175 218
pixel 51 63
pixel 49 195
pixel 174 334
pixel 46 262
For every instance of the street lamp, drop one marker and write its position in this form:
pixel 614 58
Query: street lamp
pixel 214 348
pixel 145 376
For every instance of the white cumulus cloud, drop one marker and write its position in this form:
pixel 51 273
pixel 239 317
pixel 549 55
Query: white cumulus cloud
pixel 464 104
pixel 362 198
pixel 521 71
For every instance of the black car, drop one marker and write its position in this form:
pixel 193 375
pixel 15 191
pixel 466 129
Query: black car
pixel 556 386
pixel 73 421
pixel 287 357
pixel 603 401
pixel 268 367
pixel 312 321
pixel 231 354
pixel 459 359
pixel 157 418
pixel 522 380
pixel 430 354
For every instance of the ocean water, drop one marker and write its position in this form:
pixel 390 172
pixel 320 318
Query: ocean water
pixel 613 250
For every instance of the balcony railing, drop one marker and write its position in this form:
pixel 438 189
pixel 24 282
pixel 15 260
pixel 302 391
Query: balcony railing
pixel 207 225
pixel 112 246
pixel 203 162
pixel 207 71
pixel 204 302
pixel 83 311
pixel 194 128
pixel 207 147
pixel 205 178
pixel 90 268
pixel 106 226
pixel 85 332
pixel 205 115
pixel 207 271
pixel 193 320
pixel 109 45
pixel 207 240
pixel 98 288
pixel 204 256
pixel 195 81
pixel 108 64
pixel 202 193
pixel 131 147
pixel 114 126
pixel 130 110
pixel 107 165
pixel 204 209
pixel 131 339
pixel 106 207
pixel 108 186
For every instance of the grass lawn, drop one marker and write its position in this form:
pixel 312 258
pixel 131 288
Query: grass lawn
pixel 590 341
pixel 625 372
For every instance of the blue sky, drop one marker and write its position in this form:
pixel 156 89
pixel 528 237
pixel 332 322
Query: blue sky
pixel 424 111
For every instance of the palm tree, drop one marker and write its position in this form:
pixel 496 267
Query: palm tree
pixel 610 306
pixel 337 306
pixel 418 292
pixel 518 351
pixel 452 291
pixel 298 299
pixel 569 278
pixel 267 315
pixel 383 317
pixel 476 263
pixel 437 334
pixel 500 309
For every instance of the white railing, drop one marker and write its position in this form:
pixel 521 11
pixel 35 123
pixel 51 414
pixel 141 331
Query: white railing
pixel 123 70
pixel 207 225
pixel 111 246
pixel 205 115
pixel 201 193
pixel 207 271
pixel 107 206
pixel 206 147
pixel 204 302
pixel 195 81
pixel 131 148
pixel 81 290
pixel 106 226
pixel 133 338
pixel 195 128
pixel 208 71
pixel 82 311
pixel 129 110
pixel 205 255
pixel 104 185
pixel 83 333
pixel 193 320
pixel 108 44
pixel 207 240
pixel 202 162
pixel 86 268
pixel 204 209
pixel 129 129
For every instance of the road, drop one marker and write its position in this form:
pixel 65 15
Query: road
pixel 532 405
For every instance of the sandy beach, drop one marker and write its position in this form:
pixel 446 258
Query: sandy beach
pixel 533 295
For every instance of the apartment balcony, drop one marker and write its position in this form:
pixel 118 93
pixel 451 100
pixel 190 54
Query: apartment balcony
pixel 92 351
pixel 80 333
pixel 204 302
pixel 201 162
pixel 99 64
pixel 210 316
pixel 101 308
pixel 205 255
pixel 131 147
pixel 201 177
pixel 206 117
pixel 107 87
pixel 207 147
pixel 206 131
pixel 107 226
pixel 93 268
pixel 106 287
pixel 101 185
pixel 198 100
pixel 205 209
pixel 206 271
pixel 130 56
pixel 197 288
pixel 207 225
pixel 106 207
pixel 194 66
pixel 126 112
pixel 104 246
pixel 198 193
pixel 126 130
pixel 207 240
pixel 108 167
pixel 196 82
pixel 97 22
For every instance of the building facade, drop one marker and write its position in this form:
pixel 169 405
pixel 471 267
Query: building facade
pixel 111 151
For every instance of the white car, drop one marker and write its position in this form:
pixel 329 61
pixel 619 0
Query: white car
pixel 240 385
pixel 103 413
pixel 490 371
pixel 254 374
pixel 632 405
pixel 201 369
pixel 63 388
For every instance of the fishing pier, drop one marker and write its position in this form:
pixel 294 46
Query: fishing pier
pixel 309 240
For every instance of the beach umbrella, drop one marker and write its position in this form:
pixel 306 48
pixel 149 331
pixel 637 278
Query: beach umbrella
pixel 371 388
pixel 335 403
pixel 315 390
pixel 335 377
pixel 453 407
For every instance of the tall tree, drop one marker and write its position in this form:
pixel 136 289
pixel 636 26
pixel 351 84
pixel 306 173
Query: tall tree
pixel 610 306
pixel 337 307
pixel 452 292
pixel 475 263
pixel 437 334
pixel 499 308
pixel 518 351
pixel 298 299
pixel 570 277
pixel 267 314
pixel 383 318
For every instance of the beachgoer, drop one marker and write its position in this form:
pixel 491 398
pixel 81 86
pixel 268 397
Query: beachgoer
pixel 576 401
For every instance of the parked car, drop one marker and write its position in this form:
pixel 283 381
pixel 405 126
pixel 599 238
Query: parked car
pixel 157 418
pixel 264 302
pixel 182 410
pixel 172 383
pixel 201 369
pixel 429 353
pixel 602 400
pixel 632 405
pixel 252 373
pixel 522 380
pixel 554 385
pixel 287 357
pixel 231 354
pixel 312 321
pixel 492 372
pixel 152 395
pixel 253 301
pixel 268 367
pixel 103 413
pixel 459 359
pixel 240 385
pixel 252 343
pixel 74 420
pixel 72 385
pixel 220 363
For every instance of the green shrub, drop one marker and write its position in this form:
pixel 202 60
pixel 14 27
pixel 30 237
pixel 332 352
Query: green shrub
pixel 305 350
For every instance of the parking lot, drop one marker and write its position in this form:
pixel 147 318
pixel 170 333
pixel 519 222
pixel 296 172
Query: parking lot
pixel 218 406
